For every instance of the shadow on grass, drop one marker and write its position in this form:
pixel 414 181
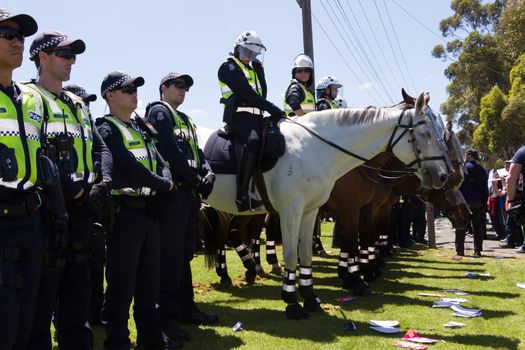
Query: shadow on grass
pixel 488 341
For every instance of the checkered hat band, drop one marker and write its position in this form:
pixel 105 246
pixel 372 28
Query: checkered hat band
pixel 116 84
pixel 168 78
pixel 47 44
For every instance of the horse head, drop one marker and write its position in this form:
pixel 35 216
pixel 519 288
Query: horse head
pixel 456 156
pixel 452 204
pixel 425 141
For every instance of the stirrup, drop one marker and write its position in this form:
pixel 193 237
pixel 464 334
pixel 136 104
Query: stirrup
pixel 245 203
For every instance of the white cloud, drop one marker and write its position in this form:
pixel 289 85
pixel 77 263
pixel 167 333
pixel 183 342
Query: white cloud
pixel 196 113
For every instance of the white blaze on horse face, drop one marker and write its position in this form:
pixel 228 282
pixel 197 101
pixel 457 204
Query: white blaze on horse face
pixel 432 169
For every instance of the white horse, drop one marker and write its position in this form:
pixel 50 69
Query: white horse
pixel 303 177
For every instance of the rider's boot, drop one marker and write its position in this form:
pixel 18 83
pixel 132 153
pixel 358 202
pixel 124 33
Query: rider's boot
pixel 244 174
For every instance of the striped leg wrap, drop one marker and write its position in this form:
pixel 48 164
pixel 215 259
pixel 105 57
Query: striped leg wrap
pixel 245 255
pixel 353 265
pixel 256 251
pixel 371 253
pixel 363 256
pixel 271 256
pixel 384 240
pixel 220 265
pixel 288 293
pixel 306 283
pixel 342 267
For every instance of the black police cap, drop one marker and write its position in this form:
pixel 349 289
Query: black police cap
pixel 27 23
pixel 117 80
pixel 54 39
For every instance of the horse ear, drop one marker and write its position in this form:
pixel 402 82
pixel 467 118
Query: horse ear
pixel 420 103
pixel 409 100
pixel 449 125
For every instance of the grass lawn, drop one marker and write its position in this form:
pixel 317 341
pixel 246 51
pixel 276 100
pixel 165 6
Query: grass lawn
pixel 260 309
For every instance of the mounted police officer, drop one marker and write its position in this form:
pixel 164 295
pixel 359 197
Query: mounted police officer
pixel 326 89
pixel 243 88
pixel 178 144
pixel 476 192
pixel 24 172
pixel 133 240
pixel 65 282
pixel 298 99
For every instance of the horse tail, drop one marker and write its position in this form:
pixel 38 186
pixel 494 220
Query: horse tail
pixel 214 227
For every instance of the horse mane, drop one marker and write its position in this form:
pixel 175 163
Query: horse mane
pixel 352 116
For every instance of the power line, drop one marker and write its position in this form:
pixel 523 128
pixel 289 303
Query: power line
pixel 367 59
pixel 341 56
pixel 399 46
pixel 390 44
pixel 357 61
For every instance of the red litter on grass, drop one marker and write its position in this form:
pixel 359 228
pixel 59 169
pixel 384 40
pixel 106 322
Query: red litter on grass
pixel 412 336
pixel 407 345
pixel 345 299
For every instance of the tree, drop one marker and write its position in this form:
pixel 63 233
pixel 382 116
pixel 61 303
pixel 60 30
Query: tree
pixel 488 136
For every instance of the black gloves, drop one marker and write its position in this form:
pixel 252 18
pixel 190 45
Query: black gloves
pixel 276 117
pixel 206 185
pixel 99 194
pixel 59 236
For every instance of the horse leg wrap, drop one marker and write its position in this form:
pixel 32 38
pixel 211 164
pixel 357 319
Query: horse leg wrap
pixel 271 256
pixel 353 265
pixel 288 293
pixel 355 284
pixel 364 265
pixel 220 265
pixel 342 268
pixel 306 283
pixel 246 257
pixel 256 251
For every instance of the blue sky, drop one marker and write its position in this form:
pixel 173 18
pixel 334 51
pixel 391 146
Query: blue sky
pixel 155 37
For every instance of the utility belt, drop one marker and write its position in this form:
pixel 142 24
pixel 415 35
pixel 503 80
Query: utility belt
pixel 251 110
pixel 27 203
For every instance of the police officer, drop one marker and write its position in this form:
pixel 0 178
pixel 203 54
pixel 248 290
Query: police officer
pixel 298 99
pixel 475 190
pixel 98 242
pixel 326 89
pixel 243 88
pixel 515 198
pixel 65 282
pixel 178 144
pixel 133 240
pixel 23 171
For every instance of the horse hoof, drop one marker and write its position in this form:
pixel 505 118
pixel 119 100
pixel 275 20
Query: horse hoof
pixel 250 276
pixel 260 271
pixel 357 286
pixel 362 290
pixel 369 276
pixel 296 312
pixel 312 303
pixel 226 282
pixel 276 269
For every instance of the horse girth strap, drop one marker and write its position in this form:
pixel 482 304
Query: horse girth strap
pixel 258 178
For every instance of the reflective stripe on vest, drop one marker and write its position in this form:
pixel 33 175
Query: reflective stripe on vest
pixel 142 152
pixel 186 136
pixel 332 104
pixel 77 124
pixel 249 74
pixel 10 136
pixel 307 104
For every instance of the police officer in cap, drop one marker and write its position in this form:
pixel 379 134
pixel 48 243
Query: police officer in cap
pixel 24 172
pixel 243 88
pixel 133 240
pixel 178 144
pixel 98 243
pixel 327 88
pixel 298 99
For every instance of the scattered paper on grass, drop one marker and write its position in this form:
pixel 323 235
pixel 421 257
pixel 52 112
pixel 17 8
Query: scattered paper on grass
pixel 465 312
pixel 407 345
pixel 443 304
pixel 430 295
pixel 453 324
pixel 455 291
pixel 475 274
pixel 377 323
pixel 387 330
pixel 459 314
pixel 456 300
pixel 345 299
pixel 520 285
pixel 237 327
pixel 413 336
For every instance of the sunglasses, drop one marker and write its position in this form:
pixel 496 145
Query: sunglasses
pixel 129 90
pixel 66 54
pixel 179 85
pixel 305 70
pixel 11 33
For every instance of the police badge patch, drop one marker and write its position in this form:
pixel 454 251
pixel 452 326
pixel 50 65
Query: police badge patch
pixel 35 116
pixel 160 116
pixel 231 66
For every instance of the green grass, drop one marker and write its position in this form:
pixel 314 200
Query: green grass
pixel 261 310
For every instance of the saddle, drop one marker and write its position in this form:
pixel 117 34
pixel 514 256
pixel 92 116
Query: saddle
pixel 223 149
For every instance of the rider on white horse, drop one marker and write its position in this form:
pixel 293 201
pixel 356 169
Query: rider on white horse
pixel 298 99
pixel 243 89
pixel 326 89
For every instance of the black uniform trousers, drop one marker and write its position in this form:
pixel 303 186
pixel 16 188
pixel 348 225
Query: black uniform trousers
pixel 64 292
pixel 22 236
pixel 98 259
pixel 246 127
pixel 132 270
pixel 178 229
pixel 477 220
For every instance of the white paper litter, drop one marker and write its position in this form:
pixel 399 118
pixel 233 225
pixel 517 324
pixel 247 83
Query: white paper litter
pixel 465 312
pixel 520 285
pixel 455 300
pixel 459 314
pixel 442 303
pixel 389 330
pixel 475 274
pixel 453 324
pixel 377 323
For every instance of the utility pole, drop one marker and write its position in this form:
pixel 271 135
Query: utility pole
pixel 308 42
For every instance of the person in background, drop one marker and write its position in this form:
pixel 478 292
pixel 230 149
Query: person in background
pixel 298 99
pixel 327 89
pixel 514 188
